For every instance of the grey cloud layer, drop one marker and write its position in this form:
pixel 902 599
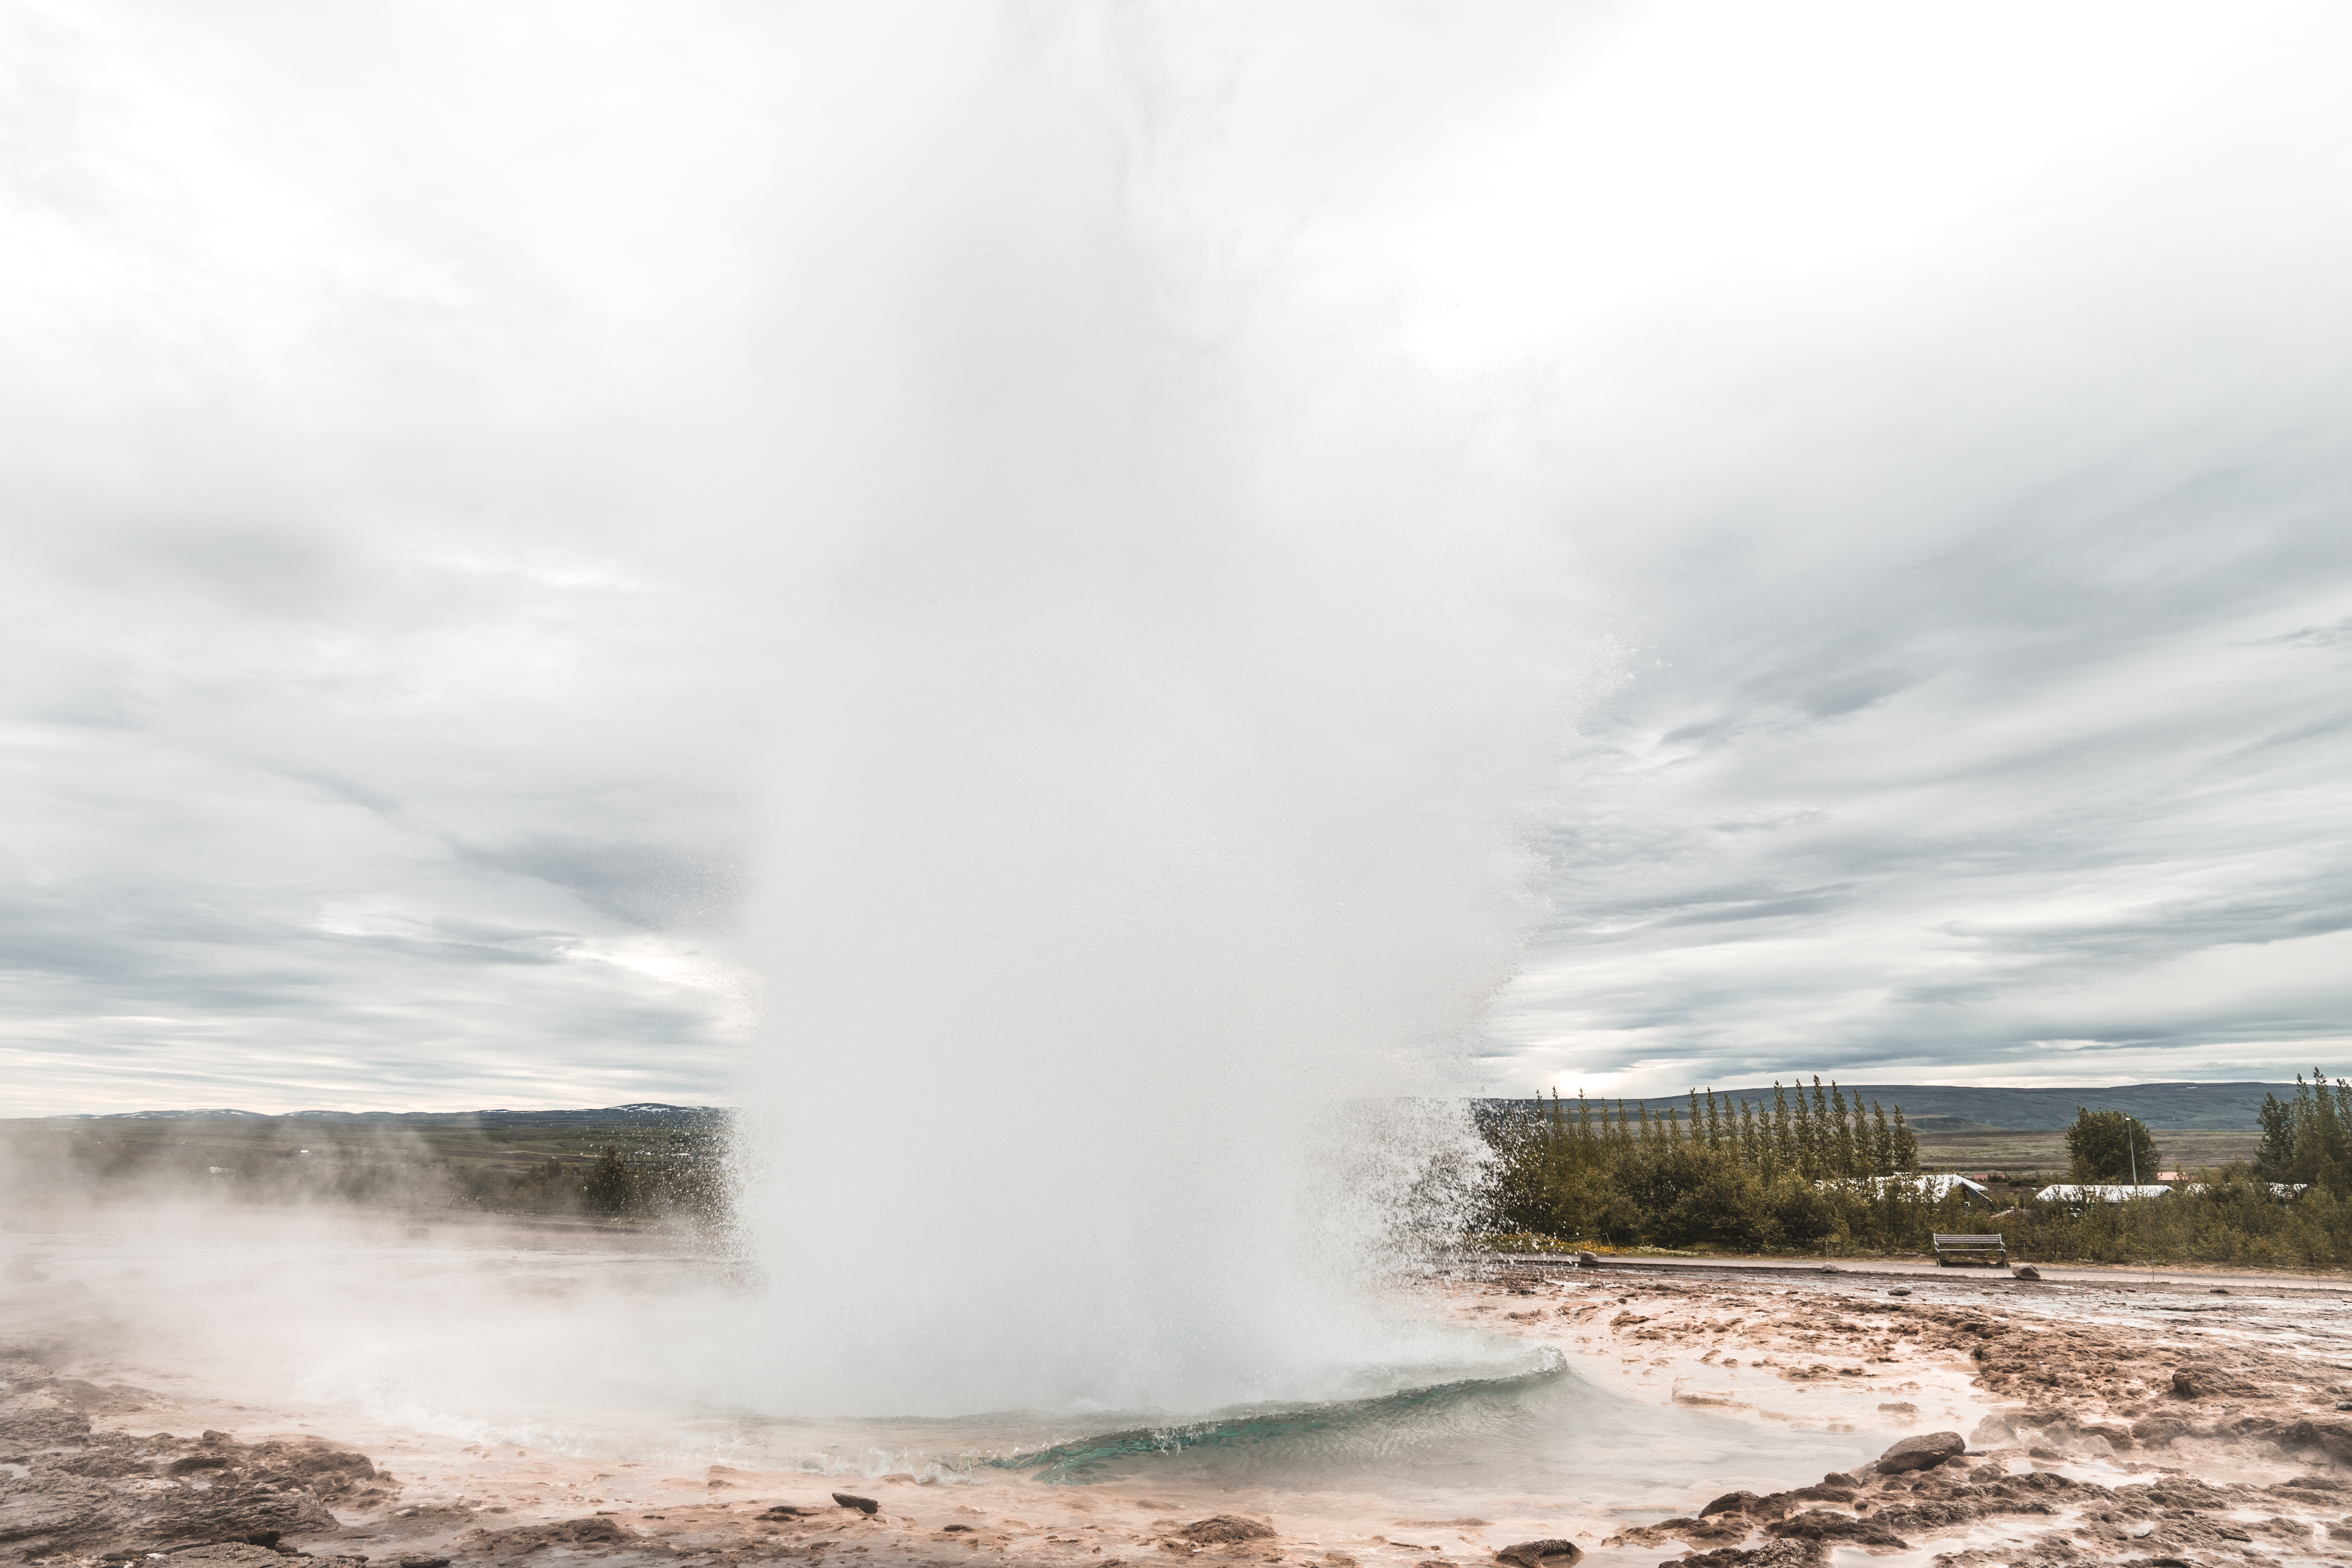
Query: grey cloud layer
pixel 2044 780
pixel 408 520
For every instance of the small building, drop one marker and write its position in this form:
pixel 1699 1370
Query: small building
pixel 2094 1193
pixel 2286 1192
pixel 1973 1193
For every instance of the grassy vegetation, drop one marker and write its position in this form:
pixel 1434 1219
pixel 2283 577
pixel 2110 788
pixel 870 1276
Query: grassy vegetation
pixel 1795 1176
pixel 620 1166
pixel 1969 1151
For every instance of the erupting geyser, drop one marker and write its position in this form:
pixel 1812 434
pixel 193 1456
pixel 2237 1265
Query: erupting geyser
pixel 1149 843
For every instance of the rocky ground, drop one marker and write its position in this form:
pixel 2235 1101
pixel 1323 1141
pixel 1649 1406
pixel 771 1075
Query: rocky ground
pixel 2109 1422
pixel 2050 1427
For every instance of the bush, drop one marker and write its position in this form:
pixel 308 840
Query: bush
pixel 1806 1173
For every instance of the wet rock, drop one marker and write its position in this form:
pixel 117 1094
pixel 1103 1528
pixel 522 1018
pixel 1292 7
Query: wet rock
pixel 862 1504
pixel 311 1463
pixel 2025 1272
pixel 515 1543
pixel 1547 1554
pixel 2334 1436
pixel 45 1512
pixel 1900 1290
pixel 228 1555
pixel 1936 1515
pixel 1225 1528
pixel 239 1511
pixel 25 1430
pixel 1924 1452
pixel 107 1465
pixel 2207 1380
pixel 1820 1525
pixel 1772 1554
pixel 1731 1502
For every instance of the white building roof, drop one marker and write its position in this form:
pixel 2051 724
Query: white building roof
pixel 2099 1194
pixel 1932 1186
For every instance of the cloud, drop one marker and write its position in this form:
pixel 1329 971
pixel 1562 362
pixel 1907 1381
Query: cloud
pixel 427 433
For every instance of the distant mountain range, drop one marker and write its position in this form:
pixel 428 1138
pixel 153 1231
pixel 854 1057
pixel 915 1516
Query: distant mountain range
pixel 1942 1107
pixel 2214 1106
pixel 642 1113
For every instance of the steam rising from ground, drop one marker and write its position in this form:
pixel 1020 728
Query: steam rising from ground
pixel 1152 845
pixel 1147 842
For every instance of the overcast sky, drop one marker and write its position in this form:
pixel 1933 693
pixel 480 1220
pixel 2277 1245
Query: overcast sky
pixel 409 527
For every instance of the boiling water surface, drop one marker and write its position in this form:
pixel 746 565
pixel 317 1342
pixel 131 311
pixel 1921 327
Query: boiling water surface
pixel 639 1350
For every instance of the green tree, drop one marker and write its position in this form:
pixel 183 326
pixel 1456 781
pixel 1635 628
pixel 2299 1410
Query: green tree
pixel 609 1188
pixel 2109 1146
pixel 2310 1139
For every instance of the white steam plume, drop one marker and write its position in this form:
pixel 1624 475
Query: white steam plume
pixel 1154 832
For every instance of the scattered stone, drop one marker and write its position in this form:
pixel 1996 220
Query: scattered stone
pixel 423 1562
pixel 954 1529
pixel 1924 1452
pixel 2025 1272
pixel 1550 1553
pixel 1587 1259
pixel 1900 1290
pixel 862 1504
pixel 2344 1404
pixel 2220 1290
pixel 1225 1528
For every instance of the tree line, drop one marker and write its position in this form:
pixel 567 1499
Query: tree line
pixel 1800 1171
pixel 686 1181
pixel 1814 1170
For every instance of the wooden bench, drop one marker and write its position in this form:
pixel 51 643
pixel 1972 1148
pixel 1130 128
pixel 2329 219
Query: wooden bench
pixel 1989 1250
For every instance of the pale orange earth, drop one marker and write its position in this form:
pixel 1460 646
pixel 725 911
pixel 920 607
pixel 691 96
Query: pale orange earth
pixel 2104 1422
